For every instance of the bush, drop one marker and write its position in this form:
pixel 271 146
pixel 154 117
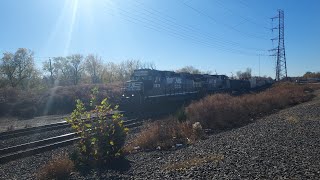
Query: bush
pixel 222 111
pixel 181 115
pixel 61 99
pixel 25 109
pixel 58 168
pixel 102 139
pixel 19 103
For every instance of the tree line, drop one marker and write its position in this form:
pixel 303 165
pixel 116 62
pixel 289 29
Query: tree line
pixel 311 75
pixel 18 70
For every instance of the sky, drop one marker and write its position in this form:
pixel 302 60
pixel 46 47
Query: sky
pixel 221 36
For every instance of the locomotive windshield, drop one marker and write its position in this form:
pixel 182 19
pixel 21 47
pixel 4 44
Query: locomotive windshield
pixel 140 75
pixel 141 78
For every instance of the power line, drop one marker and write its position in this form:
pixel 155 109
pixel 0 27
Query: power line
pixel 219 22
pixel 243 3
pixel 189 33
pixel 190 29
pixel 157 27
pixel 247 6
pixel 241 16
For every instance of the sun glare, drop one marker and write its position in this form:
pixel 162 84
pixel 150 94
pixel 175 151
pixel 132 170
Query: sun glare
pixel 71 26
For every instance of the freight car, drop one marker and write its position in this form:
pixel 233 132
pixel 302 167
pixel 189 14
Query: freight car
pixel 149 84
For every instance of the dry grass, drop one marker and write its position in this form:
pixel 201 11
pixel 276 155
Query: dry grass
pixel 222 111
pixel 164 134
pixel 58 168
pixel 292 119
pixel 27 126
pixel 313 86
pixel 10 128
pixel 194 161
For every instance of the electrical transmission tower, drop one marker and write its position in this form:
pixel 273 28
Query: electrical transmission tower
pixel 280 53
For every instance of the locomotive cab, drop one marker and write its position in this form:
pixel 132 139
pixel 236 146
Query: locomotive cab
pixel 132 88
pixel 141 82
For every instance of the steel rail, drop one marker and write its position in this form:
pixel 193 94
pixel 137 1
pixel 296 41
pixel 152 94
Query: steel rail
pixel 35 147
pixel 37 129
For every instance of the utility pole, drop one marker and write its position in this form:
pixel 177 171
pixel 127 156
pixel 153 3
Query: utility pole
pixel 50 68
pixel 259 65
pixel 280 53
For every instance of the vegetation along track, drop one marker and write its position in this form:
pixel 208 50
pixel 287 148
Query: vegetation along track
pixel 133 118
pixel 31 148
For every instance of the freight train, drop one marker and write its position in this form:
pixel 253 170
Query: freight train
pixel 150 84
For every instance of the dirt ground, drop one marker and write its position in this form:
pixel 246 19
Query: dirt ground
pixel 13 123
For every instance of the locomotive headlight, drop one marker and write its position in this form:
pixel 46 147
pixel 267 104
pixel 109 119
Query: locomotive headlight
pixel 123 95
pixel 132 95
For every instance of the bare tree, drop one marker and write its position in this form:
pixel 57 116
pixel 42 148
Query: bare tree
pixel 109 72
pixel 311 75
pixel 76 68
pixel 123 71
pixel 8 68
pixel 244 75
pixel 129 67
pixel 50 68
pixel 147 65
pixel 189 69
pixel 94 67
pixel 62 70
pixel 35 79
pixel 18 67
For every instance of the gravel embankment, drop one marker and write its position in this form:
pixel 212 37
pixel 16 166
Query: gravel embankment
pixel 284 145
pixel 26 168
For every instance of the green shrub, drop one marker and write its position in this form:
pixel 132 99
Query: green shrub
pixel 102 139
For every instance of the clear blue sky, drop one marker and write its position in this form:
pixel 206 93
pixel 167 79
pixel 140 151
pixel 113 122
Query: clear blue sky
pixel 217 35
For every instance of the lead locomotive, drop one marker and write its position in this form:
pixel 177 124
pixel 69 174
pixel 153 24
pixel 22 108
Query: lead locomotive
pixel 150 84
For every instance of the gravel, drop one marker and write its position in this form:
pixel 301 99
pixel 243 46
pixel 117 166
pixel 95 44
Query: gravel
pixel 284 145
pixel 26 168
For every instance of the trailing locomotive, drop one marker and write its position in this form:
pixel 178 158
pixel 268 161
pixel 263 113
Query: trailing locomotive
pixel 146 84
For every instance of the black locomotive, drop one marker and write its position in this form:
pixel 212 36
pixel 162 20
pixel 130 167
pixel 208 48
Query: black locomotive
pixel 149 84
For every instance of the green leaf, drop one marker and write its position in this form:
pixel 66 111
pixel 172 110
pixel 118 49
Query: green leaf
pixel 93 140
pixel 111 133
pixel 84 148
pixel 74 127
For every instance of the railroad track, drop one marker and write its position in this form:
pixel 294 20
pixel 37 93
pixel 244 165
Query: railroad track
pixel 33 130
pixel 38 129
pixel 35 147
